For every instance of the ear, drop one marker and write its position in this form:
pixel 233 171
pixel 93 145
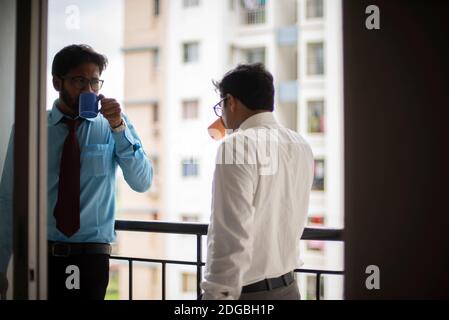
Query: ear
pixel 232 102
pixel 57 83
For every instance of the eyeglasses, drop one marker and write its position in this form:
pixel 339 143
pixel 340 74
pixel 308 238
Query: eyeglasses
pixel 80 82
pixel 218 108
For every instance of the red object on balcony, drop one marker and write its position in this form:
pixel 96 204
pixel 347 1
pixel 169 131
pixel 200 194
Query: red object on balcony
pixel 316 220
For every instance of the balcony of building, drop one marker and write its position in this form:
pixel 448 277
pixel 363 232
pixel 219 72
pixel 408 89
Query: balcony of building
pixel 252 12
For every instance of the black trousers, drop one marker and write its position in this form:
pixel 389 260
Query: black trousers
pixel 78 277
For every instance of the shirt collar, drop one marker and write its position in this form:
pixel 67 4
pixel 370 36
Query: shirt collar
pixel 259 119
pixel 56 115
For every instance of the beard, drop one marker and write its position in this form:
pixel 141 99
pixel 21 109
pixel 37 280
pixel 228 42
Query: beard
pixel 69 101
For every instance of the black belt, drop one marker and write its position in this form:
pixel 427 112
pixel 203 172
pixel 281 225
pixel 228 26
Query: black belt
pixel 270 284
pixel 65 249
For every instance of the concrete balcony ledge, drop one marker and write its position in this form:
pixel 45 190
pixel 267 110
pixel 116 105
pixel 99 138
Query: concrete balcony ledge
pixel 140 48
pixel 140 101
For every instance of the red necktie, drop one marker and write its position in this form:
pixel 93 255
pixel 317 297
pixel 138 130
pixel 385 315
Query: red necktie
pixel 67 209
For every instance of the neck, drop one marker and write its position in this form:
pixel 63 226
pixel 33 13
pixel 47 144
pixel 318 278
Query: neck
pixel 251 113
pixel 65 109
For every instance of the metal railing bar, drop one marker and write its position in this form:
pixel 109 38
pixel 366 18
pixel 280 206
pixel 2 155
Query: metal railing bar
pixel 323 234
pixel 315 271
pixel 318 281
pixel 130 273
pixel 190 263
pixel 198 266
pixel 163 281
pixel 195 263
pixel 161 227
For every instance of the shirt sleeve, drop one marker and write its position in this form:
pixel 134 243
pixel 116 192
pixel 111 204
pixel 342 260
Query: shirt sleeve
pixel 6 199
pixel 229 241
pixel 137 168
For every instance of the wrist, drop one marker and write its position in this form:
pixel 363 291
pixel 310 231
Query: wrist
pixel 121 126
pixel 116 124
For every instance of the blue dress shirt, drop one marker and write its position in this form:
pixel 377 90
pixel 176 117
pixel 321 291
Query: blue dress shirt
pixel 102 150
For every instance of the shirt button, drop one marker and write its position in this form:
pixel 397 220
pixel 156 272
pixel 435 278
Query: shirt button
pixel 136 146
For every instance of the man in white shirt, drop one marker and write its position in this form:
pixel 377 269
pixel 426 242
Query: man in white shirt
pixel 260 196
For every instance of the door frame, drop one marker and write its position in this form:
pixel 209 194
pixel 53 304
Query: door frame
pixel 30 152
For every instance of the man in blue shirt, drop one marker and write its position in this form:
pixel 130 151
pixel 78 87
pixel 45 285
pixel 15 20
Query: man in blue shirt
pixel 105 142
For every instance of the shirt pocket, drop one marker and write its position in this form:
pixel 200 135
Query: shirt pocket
pixel 96 159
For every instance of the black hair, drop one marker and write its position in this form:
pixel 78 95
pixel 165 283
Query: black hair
pixel 73 56
pixel 252 84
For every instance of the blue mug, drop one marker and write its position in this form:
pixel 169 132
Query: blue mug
pixel 88 105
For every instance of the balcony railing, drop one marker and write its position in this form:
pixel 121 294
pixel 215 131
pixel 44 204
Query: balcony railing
pixel 253 16
pixel 199 230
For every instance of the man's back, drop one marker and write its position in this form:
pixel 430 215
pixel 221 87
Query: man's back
pixel 281 200
pixel 261 192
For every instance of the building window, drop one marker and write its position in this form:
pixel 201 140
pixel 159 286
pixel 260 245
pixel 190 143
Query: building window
pixel 156 57
pixel 253 11
pixel 315 245
pixel 188 282
pixel 155 216
pixel 314 9
pixel 311 288
pixel 256 55
pixel 315 58
pixel 155 281
pixel 190 3
pixel 190 109
pixel 155 112
pixel 315 116
pixel 316 220
pixel 154 190
pixel 189 168
pixel 318 176
pixel 157 7
pixel 190 217
pixel 191 52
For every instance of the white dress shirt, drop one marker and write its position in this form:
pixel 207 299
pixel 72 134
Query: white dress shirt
pixel 260 197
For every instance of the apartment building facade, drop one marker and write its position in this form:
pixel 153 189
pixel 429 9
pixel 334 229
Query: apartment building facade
pixel 171 59
pixel 143 48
